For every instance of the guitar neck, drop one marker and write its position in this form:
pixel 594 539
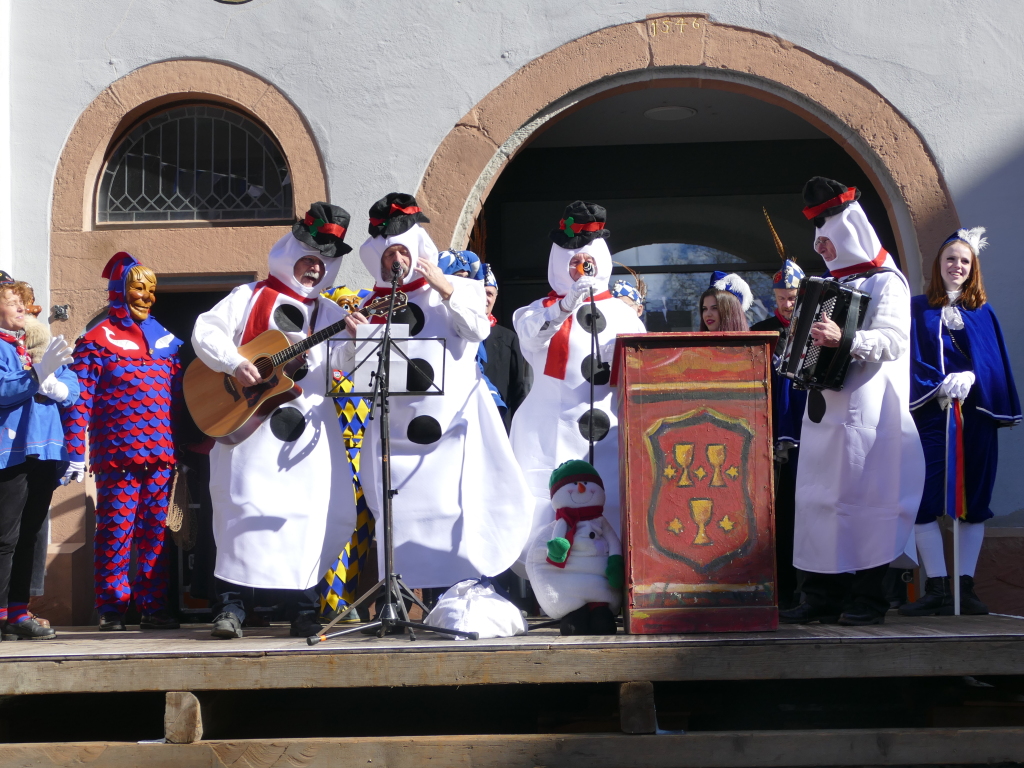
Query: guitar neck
pixel 307 343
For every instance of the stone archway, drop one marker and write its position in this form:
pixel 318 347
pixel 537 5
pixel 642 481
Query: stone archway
pixel 689 50
pixel 79 248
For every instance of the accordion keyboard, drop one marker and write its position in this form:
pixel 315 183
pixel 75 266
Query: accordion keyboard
pixel 811 359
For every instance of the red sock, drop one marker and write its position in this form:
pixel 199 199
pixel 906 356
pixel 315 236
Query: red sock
pixel 3 614
pixel 16 612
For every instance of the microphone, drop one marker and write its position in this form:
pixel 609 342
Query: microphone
pixel 585 268
pixel 396 267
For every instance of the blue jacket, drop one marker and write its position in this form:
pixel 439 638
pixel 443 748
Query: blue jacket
pixel 29 428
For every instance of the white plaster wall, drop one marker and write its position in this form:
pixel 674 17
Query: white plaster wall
pixel 381 85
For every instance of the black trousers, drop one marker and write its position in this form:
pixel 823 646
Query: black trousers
pixel 841 591
pixel 25 493
pixel 238 600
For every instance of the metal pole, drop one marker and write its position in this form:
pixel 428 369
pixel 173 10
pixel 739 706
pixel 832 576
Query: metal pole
pixel 594 368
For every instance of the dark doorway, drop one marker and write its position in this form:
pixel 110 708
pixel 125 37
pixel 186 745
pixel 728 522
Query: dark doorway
pixel 701 181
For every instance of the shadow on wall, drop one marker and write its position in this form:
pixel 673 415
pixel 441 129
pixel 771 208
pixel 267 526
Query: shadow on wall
pixel 995 201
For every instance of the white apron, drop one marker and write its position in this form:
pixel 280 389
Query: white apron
pixel 546 429
pixel 861 470
pixel 463 509
pixel 283 505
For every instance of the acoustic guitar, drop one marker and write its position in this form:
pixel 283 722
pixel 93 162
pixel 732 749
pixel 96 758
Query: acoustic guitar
pixel 229 412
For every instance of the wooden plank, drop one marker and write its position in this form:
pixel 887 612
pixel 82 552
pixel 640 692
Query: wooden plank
pixel 636 708
pixel 541 664
pixel 727 749
pixel 183 721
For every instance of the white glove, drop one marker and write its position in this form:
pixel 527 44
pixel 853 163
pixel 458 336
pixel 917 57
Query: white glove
pixel 54 388
pixel 957 385
pixel 580 290
pixel 56 354
pixel 75 471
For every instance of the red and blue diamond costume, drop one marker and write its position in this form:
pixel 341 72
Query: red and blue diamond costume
pixel 130 376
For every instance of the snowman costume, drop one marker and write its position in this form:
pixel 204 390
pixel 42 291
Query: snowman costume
pixel 283 505
pixel 570 559
pixel 861 469
pixel 463 508
pixel 551 425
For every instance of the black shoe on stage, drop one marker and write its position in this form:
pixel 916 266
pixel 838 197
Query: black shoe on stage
pixel 305 625
pixel 937 599
pixel 805 614
pixel 861 616
pixel 111 621
pixel 28 629
pixel 161 619
pixel 970 605
pixel 227 627
pixel 576 622
pixel 602 621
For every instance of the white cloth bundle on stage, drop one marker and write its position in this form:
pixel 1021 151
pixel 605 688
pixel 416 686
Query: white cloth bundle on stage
pixel 475 605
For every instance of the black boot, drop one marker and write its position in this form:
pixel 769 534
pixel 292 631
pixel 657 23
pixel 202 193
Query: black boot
pixel 970 605
pixel 576 622
pixel 937 600
pixel 805 614
pixel 602 621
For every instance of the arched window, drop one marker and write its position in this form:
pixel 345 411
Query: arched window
pixel 195 163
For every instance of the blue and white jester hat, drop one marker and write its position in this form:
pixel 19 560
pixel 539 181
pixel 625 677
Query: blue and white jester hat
pixel 624 288
pixel 735 285
pixel 451 262
pixel 489 279
pixel 790 275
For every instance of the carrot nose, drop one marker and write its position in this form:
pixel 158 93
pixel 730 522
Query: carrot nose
pixel 581 486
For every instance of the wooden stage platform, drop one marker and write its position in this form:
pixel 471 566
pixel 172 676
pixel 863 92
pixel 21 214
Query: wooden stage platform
pixel 85 660
pixel 177 663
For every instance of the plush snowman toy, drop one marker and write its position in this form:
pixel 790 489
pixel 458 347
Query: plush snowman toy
pixel 575 563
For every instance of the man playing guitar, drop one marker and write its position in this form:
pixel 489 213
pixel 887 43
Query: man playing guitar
pixel 280 515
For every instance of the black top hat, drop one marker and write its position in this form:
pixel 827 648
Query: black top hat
pixel 826 197
pixel 394 214
pixel 324 229
pixel 581 223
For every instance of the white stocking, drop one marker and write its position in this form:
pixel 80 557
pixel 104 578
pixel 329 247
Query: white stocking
pixel 929 545
pixel 971 537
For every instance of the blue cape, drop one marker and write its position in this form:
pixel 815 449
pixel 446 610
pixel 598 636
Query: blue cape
pixel 996 390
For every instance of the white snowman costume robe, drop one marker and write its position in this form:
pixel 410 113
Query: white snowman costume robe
pixel 283 506
pixel 546 429
pixel 463 509
pixel 862 468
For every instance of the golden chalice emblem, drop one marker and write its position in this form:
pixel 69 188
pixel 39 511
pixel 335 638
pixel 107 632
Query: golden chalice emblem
pixel 700 511
pixel 684 458
pixel 716 457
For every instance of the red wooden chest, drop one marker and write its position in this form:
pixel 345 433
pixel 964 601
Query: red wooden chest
pixel 696 481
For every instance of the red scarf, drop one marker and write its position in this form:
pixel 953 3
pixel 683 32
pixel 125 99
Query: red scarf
pixel 259 315
pixel 864 266
pixel 782 319
pixel 19 345
pixel 558 348
pixel 493 320
pixel 573 516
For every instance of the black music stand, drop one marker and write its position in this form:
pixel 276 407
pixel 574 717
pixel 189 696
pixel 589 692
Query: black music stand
pixel 393 613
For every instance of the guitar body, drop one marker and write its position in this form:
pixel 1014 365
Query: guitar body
pixel 226 410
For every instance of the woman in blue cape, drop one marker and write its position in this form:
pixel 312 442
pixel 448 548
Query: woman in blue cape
pixel 961 382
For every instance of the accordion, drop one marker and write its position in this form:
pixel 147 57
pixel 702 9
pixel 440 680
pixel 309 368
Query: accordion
pixel 811 366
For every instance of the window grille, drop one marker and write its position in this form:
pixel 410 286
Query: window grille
pixel 195 163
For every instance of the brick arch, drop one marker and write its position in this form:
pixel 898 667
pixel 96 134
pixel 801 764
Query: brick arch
pixel 79 248
pixel 689 50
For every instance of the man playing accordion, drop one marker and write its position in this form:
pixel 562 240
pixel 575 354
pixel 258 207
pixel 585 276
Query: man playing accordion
pixel 861 467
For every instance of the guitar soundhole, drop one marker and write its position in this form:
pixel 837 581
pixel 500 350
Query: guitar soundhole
pixel 264 366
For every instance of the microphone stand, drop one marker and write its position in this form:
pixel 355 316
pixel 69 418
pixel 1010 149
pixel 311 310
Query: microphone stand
pixel 392 613
pixel 595 366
